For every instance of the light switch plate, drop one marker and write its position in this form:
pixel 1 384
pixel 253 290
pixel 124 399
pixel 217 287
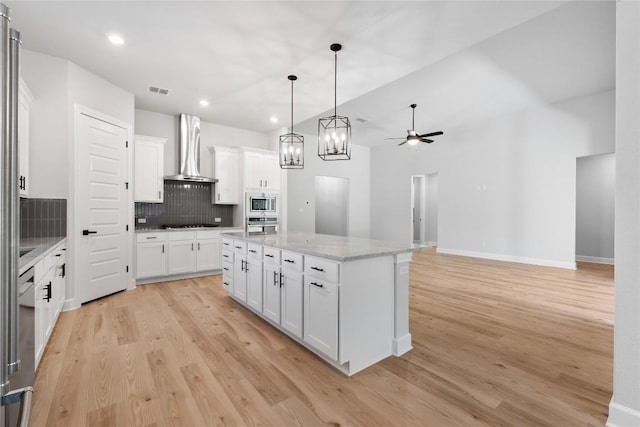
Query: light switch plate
pixel 217 220
pixel 142 220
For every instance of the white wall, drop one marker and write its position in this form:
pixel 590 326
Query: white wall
pixel 166 126
pixel 624 409
pixel 506 187
pixel 595 208
pixel 301 184
pixel 432 209
pixel 47 78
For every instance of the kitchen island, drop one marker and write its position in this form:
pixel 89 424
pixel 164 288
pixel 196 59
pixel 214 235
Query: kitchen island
pixel 344 298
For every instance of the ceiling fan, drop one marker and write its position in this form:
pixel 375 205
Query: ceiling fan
pixel 414 137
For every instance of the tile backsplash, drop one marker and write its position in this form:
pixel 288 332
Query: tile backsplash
pixel 43 218
pixel 184 203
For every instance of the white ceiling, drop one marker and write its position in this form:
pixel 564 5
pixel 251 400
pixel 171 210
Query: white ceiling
pixel 237 54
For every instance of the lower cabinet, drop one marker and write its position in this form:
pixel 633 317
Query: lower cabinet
pixel 271 288
pixel 240 277
pixel 182 257
pixel 321 315
pixel 253 269
pixel 208 254
pixel 49 288
pixel 291 302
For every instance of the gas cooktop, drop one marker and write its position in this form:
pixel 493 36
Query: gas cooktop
pixel 172 226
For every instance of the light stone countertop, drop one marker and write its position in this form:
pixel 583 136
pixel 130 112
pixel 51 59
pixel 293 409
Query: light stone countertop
pixel 338 248
pixel 41 247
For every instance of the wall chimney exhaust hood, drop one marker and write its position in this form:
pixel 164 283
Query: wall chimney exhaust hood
pixel 189 142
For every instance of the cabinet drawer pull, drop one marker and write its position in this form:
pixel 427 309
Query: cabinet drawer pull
pixel 163 248
pixel 275 278
pixel 317 268
pixel 290 260
pixel 252 251
pixel 192 247
pixel 226 256
pixel 226 244
pixel 225 268
pixel 281 280
pixel 269 255
pixel 198 245
pixel 152 237
pixel 320 285
pixel 238 247
pixel 225 283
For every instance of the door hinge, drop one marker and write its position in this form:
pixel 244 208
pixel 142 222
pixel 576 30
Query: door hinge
pixel 126 185
pixel 127 268
pixel 126 144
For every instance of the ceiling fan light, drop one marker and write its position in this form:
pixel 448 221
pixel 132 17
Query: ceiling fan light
pixel 412 141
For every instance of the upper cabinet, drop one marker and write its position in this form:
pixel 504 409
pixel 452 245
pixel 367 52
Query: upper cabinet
pixel 226 169
pixel 149 169
pixel 24 119
pixel 261 171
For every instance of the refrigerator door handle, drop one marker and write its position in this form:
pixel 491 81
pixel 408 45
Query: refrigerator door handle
pixel 24 396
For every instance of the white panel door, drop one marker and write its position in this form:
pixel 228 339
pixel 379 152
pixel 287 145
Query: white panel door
pixel 253 168
pixel 254 284
pixel 182 256
pixel 321 316
pixel 291 305
pixel 151 259
pixel 271 293
pixel 240 277
pixel 102 254
pixel 271 172
pixel 208 256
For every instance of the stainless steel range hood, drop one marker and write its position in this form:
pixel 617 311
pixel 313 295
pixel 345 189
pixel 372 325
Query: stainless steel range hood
pixel 189 141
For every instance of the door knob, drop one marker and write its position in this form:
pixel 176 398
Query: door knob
pixel 87 232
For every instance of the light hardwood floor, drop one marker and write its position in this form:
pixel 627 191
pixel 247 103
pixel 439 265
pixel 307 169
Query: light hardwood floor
pixel 495 344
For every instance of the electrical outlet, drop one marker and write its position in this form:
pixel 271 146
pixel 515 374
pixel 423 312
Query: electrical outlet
pixel 142 220
pixel 217 220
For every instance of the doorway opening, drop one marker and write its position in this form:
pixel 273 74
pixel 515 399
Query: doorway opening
pixel 332 205
pixel 424 209
pixel 595 208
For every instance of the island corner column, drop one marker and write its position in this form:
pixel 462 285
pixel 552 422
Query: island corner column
pixel 401 336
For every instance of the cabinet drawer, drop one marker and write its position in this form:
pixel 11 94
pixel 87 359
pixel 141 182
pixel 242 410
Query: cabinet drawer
pixel 207 234
pixel 181 235
pixel 151 237
pixel 322 269
pixel 227 256
pixel 292 261
pixel 271 255
pixel 227 244
pixel 227 269
pixel 227 283
pixel 240 247
pixel 255 251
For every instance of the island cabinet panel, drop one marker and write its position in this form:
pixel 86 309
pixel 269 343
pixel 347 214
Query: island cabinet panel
pixel 271 288
pixel 227 276
pixel 240 277
pixel 321 316
pixel 342 307
pixel 291 301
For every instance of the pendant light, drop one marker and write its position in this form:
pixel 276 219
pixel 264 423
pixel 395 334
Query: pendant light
pixel 292 144
pixel 334 132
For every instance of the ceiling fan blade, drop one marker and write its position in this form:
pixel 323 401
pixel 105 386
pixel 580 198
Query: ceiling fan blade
pixel 426 135
pixel 402 137
pixel 428 141
pixel 402 143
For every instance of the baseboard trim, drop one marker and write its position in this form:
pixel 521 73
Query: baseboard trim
pixel 432 243
pixel 622 416
pixel 158 279
pixel 509 258
pixel 595 259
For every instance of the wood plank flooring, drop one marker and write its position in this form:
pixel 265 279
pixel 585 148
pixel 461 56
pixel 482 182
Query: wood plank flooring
pixel 495 344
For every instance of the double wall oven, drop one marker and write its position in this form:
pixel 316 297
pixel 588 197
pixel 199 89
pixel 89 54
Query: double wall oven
pixel 262 212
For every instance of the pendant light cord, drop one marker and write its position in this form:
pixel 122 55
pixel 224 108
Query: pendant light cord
pixel 335 85
pixel 291 106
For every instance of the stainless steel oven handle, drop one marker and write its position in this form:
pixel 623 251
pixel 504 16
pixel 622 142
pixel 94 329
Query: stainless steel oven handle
pixel 24 396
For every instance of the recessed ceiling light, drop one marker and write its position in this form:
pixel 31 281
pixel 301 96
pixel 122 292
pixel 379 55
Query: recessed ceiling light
pixel 115 39
pixel 273 119
pixel 204 102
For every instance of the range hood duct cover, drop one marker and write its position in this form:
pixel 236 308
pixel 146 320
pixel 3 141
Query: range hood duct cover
pixel 189 141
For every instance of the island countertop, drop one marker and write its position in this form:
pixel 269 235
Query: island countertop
pixel 338 248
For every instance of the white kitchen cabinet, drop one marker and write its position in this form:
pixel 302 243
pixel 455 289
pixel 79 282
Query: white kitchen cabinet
pixel 240 277
pixel 25 99
pixel 151 255
pixel 226 169
pixel 261 171
pixel 182 258
pixel 149 169
pixel 271 292
pixel 49 296
pixel 321 315
pixel 208 254
pixel 291 301
pixel 254 277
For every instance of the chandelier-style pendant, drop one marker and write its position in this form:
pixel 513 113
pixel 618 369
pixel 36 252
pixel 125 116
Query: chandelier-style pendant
pixel 292 144
pixel 334 132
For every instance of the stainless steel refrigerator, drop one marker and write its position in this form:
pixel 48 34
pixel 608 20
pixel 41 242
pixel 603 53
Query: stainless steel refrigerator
pixel 16 293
